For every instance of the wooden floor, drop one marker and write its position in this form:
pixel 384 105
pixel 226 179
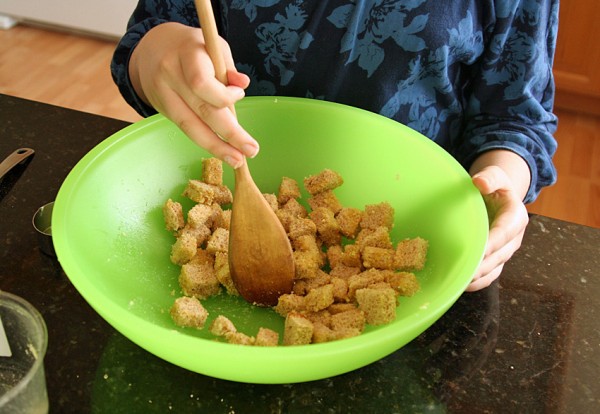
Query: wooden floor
pixel 73 71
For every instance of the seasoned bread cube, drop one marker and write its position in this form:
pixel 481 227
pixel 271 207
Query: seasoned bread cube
pixel 334 255
pixel 340 289
pixel 307 243
pixel 212 171
pixel 222 195
pixel 271 201
pixel 323 181
pixel 306 264
pixel 201 215
pixel 200 192
pixel 298 330
pixel 183 249
pixel 379 305
pixel 290 302
pixel 319 298
pixel 239 338
pixel 199 233
pixel 349 219
pixel 221 326
pixel 411 254
pixel 294 207
pixel 222 220
pixel 321 333
pixel 352 256
pixel 173 215
pixel 266 337
pixel 288 189
pixel 188 312
pixel 350 319
pixel 378 257
pixel 378 237
pixel 377 215
pixel 300 226
pixel 199 280
pixel 303 286
pixel 363 280
pixel 326 199
pixel 218 241
pixel 404 283
pixel 327 227
pixel 223 274
pixel 344 272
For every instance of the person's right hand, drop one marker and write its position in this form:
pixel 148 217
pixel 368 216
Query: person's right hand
pixel 170 70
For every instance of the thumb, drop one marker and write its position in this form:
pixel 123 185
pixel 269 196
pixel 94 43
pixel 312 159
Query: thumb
pixel 491 179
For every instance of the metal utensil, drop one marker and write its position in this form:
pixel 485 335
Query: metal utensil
pixel 14 159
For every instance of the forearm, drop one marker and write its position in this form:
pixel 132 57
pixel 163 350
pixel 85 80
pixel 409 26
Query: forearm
pixel 512 164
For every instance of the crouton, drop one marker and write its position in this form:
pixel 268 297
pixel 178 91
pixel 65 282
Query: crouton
pixel 199 280
pixel 350 319
pixel 188 312
pixel 298 330
pixel 294 207
pixel 340 289
pixel 212 171
pixel 303 286
pixel 183 249
pixel 378 237
pixel 362 280
pixel 352 256
pixel 379 305
pixel 326 199
pixel 300 226
pixel 221 325
pixel 411 254
pixel 271 201
pixel 349 219
pixel 218 241
pixel 323 181
pixel 319 298
pixel 173 215
pixel 404 283
pixel 377 215
pixel 199 192
pixel 222 195
pixel 222 220
pixel 223 274
pixel 199 233
pixel 201 215
pixel 288 189
pixel 327 227
pixel 344 272
pixel 378 257
pixel 290 302
pixel 321 333
pixel 306 264
pixel 266 337
pixel 239 338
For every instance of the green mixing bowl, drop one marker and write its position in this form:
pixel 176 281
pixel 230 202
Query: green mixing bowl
pixel 110 238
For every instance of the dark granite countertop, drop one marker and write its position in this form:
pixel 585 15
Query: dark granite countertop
pixel 528 344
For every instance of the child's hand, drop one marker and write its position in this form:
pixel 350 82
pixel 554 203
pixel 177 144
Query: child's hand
pixel 171 70
pixel 508 219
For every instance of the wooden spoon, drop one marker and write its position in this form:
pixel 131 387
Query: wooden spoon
pixel 260 255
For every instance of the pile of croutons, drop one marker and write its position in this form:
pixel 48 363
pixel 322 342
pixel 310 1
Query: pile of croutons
pixel 349 273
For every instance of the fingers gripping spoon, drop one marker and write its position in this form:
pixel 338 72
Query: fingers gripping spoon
pixel 260 255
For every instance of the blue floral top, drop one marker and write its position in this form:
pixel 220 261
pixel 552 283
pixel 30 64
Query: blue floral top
pixel 472 75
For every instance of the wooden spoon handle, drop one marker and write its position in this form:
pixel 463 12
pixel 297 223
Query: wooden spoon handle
pixel 211 38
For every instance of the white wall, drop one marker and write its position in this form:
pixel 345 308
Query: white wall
pixel 102 17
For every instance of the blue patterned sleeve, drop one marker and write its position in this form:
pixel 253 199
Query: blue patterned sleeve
pixel 147 15
pixel 510 105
